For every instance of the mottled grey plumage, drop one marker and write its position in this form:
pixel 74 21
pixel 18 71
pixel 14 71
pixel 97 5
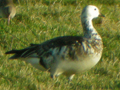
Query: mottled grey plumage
pixel 68 55
pixel 7 9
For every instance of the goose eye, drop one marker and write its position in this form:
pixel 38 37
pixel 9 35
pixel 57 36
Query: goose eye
pixel 95 9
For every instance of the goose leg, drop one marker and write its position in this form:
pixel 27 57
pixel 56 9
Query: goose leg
pixel 71 77
pixel 8 19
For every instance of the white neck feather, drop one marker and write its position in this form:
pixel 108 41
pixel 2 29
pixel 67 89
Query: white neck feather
pixel 88 29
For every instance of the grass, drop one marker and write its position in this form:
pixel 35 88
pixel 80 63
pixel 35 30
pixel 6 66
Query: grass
pixel 40 20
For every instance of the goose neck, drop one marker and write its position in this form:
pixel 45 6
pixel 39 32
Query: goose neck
pixel 88 29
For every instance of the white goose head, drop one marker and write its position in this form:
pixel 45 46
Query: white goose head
pixel 90 12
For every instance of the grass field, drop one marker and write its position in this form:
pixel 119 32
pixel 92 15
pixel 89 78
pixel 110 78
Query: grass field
pixel 40 20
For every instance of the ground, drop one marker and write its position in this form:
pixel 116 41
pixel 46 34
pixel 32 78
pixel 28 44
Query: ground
pixel 40 20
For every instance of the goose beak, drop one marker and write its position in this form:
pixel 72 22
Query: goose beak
pixel 101 15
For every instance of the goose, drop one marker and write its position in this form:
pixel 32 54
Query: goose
pixel 67 55
pixel 7 9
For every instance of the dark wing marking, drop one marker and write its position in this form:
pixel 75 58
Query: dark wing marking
pixel 20 53
pixel 6 11
pixel 45 46
pixel 58 42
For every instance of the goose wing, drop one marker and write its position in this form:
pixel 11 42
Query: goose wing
pixel 44 47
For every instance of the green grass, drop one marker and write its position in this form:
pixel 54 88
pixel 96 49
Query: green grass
pixel 40 20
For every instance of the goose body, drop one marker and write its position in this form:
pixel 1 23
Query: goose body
pixel 67 55
pixel 7 9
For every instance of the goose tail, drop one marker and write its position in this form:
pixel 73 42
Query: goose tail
pixel 17 53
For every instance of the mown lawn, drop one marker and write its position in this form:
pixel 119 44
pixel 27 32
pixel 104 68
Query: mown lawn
pixel 40 20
